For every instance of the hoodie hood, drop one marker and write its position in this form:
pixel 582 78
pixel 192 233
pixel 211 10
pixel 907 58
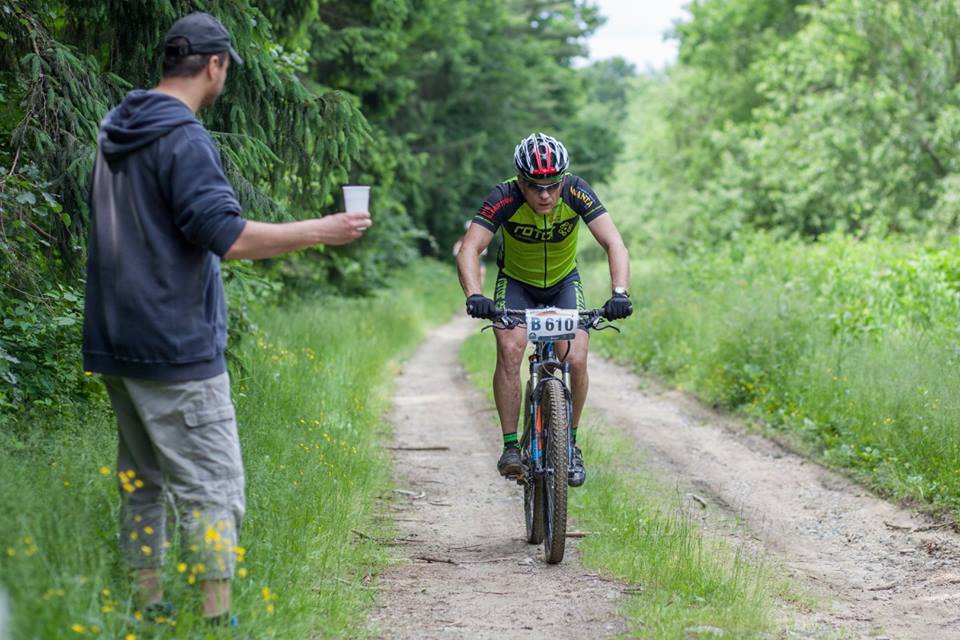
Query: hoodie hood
pixel 141 118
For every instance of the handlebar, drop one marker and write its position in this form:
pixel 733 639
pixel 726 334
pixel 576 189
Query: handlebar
pixel 588 319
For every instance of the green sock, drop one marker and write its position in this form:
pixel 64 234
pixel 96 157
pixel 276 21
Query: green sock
pixel 573 435
pixel 509 440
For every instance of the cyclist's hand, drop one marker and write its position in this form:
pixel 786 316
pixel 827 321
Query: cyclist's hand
pixel 617 307
pixel 480 306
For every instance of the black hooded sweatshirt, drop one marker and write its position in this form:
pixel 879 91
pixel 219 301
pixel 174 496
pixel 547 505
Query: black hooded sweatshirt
pixel 162 216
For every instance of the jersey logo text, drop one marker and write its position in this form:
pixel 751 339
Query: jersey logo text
pixel 581 196
pixel 533 233
pixel 488 211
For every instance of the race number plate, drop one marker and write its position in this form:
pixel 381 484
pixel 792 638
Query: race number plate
pixel 549 325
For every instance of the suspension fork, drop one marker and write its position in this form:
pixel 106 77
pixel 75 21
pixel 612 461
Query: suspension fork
pixel 568 397
pixel 534 418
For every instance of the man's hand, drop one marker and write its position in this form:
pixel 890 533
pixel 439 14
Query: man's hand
pixel 343 228
pixel 617 307
pixel 480 306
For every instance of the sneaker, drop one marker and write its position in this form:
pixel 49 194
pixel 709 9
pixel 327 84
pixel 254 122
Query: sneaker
pixel 509 462
pixel 225 620
pixel 576 475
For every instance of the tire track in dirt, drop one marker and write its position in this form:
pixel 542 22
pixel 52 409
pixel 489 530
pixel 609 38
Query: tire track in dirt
pixel 464 569
pixel 878 570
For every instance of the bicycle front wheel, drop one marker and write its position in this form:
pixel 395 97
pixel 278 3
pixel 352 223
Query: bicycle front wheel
pixel 554 407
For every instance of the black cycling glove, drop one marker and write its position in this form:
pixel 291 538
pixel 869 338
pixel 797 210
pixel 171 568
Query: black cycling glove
pixel 480 306
pixel 617 307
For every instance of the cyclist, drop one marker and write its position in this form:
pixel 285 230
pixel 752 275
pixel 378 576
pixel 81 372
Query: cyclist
pixel 538 212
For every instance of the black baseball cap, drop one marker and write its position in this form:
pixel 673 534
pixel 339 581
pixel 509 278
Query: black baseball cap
pixel 203 33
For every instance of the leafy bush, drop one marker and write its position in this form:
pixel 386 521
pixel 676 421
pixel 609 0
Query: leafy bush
pixel 849 347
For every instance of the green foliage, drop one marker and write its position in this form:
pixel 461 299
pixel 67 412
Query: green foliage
pixel 807 118
pixel 310 413
pixel 848 347
pixel 423 99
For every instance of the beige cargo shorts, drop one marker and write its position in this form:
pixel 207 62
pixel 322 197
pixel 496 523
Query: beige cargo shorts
pixel 178 444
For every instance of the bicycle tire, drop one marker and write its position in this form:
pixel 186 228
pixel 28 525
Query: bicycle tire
pixel 554 404
pixel 532 489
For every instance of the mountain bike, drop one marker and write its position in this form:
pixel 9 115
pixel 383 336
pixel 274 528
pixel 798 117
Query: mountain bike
pixel 546 445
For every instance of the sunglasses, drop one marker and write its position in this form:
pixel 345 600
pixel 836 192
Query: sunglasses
pixel 545 188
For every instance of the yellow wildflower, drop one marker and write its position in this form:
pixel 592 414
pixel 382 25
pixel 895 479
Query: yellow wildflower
pixel 146 550
pixel 265 591
pixel 78 628
pixel 104 471
pixel 242 572
pixel 148 530
pixel 182 567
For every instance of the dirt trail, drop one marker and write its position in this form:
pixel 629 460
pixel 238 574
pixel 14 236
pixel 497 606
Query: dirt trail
pixel 879 570
pixel 465 570
pixel 876 570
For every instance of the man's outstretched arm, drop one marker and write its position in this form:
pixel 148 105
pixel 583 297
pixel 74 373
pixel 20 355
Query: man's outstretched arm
pixel 260 240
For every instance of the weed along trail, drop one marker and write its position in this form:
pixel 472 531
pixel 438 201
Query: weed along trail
pixel 462 567
pixel 875 570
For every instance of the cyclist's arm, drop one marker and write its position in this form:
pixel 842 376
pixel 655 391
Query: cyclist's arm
pixel 605 231
pixel 264 240
pixel 475 242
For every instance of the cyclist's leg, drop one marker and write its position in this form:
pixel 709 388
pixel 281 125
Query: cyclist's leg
pixel 509 294
pixel 568 294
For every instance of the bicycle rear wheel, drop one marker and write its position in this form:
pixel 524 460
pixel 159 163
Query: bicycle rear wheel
pixel 532 487
pixel 554 407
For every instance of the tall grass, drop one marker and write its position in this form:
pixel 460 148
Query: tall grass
pixel 310 396
pixel 686 582
pixel 847 348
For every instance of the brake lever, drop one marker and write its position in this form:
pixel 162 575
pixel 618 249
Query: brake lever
pixel 603 327
pixel 506 322
pixel 609 326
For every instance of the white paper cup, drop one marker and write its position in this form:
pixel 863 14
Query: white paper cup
pixel 356 198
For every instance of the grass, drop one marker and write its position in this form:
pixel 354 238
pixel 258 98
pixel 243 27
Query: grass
pixel 310 396
pixel 640 534
pixel 845 349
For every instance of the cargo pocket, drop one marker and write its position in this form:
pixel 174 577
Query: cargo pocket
pixel 213 444
pixel 194 418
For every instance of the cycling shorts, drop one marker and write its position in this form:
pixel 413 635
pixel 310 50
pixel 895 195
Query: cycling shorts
pixel 513 294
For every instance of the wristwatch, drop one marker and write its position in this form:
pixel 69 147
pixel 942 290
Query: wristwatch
pixel 621 291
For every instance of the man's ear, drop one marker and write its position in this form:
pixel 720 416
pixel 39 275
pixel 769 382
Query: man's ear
pixel 214 64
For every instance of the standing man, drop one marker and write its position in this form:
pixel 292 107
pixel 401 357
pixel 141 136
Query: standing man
pixel 539 212
pixel 163 215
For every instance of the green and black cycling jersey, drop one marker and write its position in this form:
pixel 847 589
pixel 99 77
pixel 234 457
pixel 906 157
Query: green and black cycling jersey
pixel 539 250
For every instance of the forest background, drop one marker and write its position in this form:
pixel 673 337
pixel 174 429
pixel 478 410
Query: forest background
pixel 790 188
